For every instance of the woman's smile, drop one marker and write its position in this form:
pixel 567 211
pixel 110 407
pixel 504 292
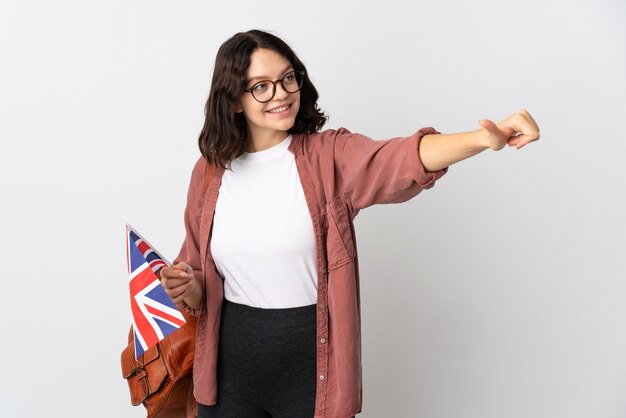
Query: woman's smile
pixel 282 110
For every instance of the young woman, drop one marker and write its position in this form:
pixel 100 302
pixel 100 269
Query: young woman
pixel 269 262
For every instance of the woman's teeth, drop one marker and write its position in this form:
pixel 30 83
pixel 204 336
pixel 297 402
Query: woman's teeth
pixel 280 109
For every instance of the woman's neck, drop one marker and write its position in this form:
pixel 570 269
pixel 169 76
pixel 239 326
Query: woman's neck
pixel 262 141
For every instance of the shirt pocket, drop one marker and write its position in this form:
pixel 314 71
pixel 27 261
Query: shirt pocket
pixel 340 247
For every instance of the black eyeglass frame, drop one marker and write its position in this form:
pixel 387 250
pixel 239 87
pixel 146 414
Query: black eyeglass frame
pixel 274 85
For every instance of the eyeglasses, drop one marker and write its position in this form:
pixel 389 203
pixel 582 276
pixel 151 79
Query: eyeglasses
pixel 264 90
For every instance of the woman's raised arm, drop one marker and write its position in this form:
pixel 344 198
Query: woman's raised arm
pixel 442 150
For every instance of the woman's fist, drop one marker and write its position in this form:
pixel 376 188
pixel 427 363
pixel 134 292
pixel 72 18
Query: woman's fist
pixel 177 280
pixel 517 130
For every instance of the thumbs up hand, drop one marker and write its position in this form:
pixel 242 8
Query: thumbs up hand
pixel 517 130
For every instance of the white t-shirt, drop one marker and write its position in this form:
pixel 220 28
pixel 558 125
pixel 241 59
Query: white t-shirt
pixel 263 241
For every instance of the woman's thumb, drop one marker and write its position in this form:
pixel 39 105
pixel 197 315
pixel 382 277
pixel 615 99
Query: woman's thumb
pixel 488 125
pixel 184 267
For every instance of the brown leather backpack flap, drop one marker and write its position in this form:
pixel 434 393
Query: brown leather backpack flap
pixel 144 376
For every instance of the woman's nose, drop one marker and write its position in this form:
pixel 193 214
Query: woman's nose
pixel 280 93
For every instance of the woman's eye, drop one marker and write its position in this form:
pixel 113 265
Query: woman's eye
pixel 259 87
pixel 290 77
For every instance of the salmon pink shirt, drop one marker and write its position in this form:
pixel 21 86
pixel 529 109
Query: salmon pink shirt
pixel 341 173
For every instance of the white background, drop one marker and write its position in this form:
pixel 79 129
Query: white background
pixel 499 293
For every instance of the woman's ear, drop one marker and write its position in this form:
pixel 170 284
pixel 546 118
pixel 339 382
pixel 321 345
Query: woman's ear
pixel 238 108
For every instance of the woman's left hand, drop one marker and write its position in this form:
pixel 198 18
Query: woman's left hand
pixel 517 130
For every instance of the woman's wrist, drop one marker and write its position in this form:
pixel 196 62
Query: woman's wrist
pixel 194 296
pixel 475 141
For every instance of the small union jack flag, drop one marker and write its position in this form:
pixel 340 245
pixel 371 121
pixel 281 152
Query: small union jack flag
pixel 154 314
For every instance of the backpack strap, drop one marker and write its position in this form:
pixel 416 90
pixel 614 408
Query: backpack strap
pixel 208 171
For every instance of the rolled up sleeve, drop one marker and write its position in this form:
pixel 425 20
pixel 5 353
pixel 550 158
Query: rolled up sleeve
pixel 386 171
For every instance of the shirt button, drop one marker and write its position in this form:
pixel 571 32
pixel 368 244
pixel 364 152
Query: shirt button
pixel 322 377
pixel 323 341
pixel 322 305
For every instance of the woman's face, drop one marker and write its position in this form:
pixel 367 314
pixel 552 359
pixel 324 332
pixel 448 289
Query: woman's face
pixel 262 118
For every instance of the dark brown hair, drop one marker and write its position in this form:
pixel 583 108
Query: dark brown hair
pixel 224 135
